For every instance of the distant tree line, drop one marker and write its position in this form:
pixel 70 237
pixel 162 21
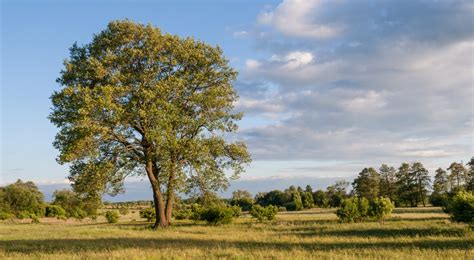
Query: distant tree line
pixel 373 192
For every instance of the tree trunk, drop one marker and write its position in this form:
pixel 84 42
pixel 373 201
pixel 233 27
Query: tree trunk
pixel 170 196
pixel 161 220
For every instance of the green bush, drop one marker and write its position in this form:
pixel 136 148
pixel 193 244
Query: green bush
pixel 244 203
pixel 182 214
pixel 148 213
pixel 264 213
pixel 380 208
pixel 237 211
pixel 461 207
pixel 217 215
pixel 112 216
pixel 124 210
pixel 281 209
pixel 353 209
pixel 24 215
pixel 55 211
pixel 5 215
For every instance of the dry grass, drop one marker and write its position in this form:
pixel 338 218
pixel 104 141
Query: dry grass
pixel 408 234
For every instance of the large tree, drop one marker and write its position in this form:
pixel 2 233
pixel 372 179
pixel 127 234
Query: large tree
pixel 422 179
pixel 388 182
pixel 367 184
pixel 136 101
pixel 458 176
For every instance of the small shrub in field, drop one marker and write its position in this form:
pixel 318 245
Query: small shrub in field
pixel 5 215
pixel 34 219
pixel 196 210
pixel 182 214
pixel 23 215
pixel 281 209
pixel 353 209
pixel 148 213
pixel 112 216
pixel 55 211
pixel 217 215
pixel 78 213
pixel 124 210
pixel 461 207
pixel 263 213
pixel 380 208
pixel 237 211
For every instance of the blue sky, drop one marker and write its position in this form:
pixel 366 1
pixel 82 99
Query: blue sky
pixel 328 87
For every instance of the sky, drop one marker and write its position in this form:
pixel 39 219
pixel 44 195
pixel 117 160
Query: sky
pixel 327 87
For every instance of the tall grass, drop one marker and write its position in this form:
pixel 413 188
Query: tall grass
pixel 409 234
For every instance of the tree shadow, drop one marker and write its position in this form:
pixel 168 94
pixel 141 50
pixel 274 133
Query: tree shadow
pixel 378 232
pixel 102 244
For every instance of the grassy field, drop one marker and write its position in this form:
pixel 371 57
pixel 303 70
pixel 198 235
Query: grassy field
pixel 421 233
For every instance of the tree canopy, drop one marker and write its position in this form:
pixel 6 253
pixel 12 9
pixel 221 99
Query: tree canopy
pixel 136 101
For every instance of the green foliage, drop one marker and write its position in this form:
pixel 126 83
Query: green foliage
pixel 182 214
pixel 237 211
pixel 307 200
pixel 22 198
pixel 461 207
pixel 264 213
pixel 217 215
pixel 123 210
pixel 380 208
pixel 74 205
pixel 55 211
pixel 353 209
pixel 5 215
pixel 112 216
pixel 320 199
pixel 136 100
pixel 281 209
pixel 148 213
pixel 388 182
pixel 243 199
pixel 367 184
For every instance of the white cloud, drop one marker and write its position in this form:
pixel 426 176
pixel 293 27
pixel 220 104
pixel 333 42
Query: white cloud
pixel 295 18
pixel 252 64
pixel 240 34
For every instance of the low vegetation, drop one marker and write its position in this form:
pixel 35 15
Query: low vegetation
pixel 409 233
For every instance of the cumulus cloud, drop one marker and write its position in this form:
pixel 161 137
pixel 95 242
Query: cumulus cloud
pixel 392 81
pixel 296 18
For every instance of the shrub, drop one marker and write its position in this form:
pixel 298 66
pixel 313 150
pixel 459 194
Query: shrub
pixel 379 208
pixel 264 213
pixel 237 211
pixel 217 215
pixel 281 209
pixel 124 210
pixel 439 199
pixel 23 215
pixel 182 214
pixel 112 216
pixel 5 215
pixel 244 203
pixel 55 211
pixel 353 209
pixel 461 207
pixel 148 213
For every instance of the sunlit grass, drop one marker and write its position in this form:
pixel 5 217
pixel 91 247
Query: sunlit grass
pixel 409 234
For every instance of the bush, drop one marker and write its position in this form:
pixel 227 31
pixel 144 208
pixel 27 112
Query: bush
pixel 281 209
pixel 264 213
pixel 24 214
pixel 22 199
pixel 461 207
pixel 353 209
pixel 5 215
pixel 439 199
pixel 379 208
pixel 182 214
pixel 55 211
pixel 244 203
pixel 148 213
pixel 112 216
pixel 124 210
pixel 237 211
pixel 217 215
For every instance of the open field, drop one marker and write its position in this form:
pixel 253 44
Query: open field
pixel 421 233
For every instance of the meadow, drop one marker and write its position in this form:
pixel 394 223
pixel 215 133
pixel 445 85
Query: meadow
pixel 409 233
